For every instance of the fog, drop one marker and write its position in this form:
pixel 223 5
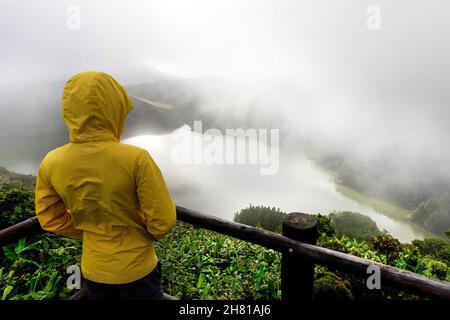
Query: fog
pixel 389 85
pixel 313 69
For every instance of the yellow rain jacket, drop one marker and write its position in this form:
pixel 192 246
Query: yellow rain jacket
pixel 111 195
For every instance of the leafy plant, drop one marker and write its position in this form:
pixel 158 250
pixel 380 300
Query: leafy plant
pixel 6 291
pixel 330 286
pixel 16 205
pixel 201 264
pixel 388 246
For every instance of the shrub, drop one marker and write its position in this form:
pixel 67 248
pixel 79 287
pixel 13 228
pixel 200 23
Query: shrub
pixel 16 205
pixel 259 216
pixel 354 225
pixel 436 269
pixel 329 286
pixel 324 226
pixel 388 246
pixel 436 248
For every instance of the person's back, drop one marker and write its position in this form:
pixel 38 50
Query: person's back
pixel 111 195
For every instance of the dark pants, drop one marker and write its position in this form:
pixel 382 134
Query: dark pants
pixel 146 288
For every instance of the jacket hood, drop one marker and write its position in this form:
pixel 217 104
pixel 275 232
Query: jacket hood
pixel 94 107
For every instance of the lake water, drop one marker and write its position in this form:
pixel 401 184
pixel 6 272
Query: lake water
pixel 299 185
pixel 224 189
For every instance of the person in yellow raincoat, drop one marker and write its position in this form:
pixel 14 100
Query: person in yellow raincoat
pixel 110 195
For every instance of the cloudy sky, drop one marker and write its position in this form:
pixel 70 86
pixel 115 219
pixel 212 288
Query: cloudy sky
pixel 252 38
pixel 337 76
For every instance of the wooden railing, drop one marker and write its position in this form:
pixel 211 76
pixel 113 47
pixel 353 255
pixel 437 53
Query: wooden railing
pixel 298 256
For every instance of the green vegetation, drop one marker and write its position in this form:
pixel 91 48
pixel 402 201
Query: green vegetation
pixel 384 249
pixel 16 205
pixel 201 264
pixel 426 197
pixel 37 270
pixel 434 213
pixel 16 197
pixel 355 225
pixel 261 217
pixel 10 179
pixel 34 267
pixel 330 286
pixel 437 249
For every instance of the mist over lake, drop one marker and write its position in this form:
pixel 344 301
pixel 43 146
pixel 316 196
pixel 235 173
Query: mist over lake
pixel 224 189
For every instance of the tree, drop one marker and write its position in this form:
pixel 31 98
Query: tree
pixel 16 205
pixel 259 216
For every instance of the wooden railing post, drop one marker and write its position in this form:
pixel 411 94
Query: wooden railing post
pixel 297 272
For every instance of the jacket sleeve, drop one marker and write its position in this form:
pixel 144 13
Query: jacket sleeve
pixel 156 204
pixel 51 211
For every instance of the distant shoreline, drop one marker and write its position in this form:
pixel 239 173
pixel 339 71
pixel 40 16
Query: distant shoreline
pixel 379 205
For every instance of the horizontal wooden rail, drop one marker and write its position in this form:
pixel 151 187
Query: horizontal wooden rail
pixel 390 276
pixel 81 294
pixel 19 230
